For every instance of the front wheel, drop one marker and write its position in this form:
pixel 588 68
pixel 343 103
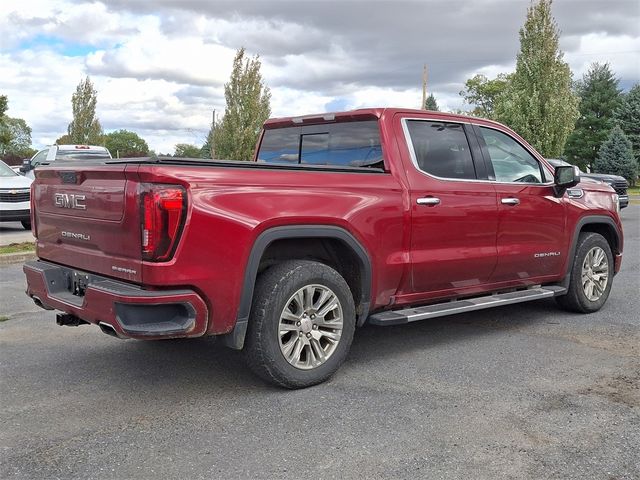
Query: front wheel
pixel 302 323
pixel 591 275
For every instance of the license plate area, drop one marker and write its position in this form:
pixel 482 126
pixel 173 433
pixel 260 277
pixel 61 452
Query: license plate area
pixel 77 283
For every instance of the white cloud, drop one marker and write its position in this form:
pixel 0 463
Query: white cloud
pixel 622 52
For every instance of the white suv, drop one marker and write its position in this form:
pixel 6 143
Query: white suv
pixel 64 152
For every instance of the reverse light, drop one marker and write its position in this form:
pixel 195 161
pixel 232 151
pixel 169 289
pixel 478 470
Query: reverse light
pixel 164 209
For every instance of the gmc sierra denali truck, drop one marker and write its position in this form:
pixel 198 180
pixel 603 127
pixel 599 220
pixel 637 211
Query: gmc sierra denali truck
pixel 380 216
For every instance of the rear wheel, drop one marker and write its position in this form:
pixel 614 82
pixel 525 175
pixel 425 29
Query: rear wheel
pixel 302 323
pixel 26 224
pixel 591 275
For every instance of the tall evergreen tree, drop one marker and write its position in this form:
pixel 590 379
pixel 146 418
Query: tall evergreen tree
pixel 616 156
pixel 248 106
pixel 85 127
pixel 628 117
pixel 599 99
pixel 538 102
pixel 431 104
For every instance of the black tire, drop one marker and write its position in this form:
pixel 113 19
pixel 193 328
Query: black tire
pixel 26 224
pixel 576 299
pixel 274 293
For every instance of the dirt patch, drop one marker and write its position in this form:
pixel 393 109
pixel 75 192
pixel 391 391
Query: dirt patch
pixel 623 388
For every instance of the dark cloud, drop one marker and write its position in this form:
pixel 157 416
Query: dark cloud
pixel 196 95
pixel 386 42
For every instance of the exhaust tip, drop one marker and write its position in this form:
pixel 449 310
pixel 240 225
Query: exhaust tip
pixel 108 329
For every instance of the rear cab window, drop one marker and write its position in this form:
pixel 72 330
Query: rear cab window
pixel 340 144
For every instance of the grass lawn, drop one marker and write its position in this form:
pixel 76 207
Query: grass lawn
pixel 634 190
pixel 18 247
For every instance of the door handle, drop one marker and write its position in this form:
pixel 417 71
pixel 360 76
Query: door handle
pixel 430 201
pixel 510 201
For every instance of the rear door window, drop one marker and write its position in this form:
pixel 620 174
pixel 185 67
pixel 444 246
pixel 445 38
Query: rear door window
pixel 441 149
pixel 344 144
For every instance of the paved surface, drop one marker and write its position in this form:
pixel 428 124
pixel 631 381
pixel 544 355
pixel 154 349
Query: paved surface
pixel 14 232
pixel 519 392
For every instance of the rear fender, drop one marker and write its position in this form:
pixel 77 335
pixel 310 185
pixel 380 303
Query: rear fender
pixel 235 339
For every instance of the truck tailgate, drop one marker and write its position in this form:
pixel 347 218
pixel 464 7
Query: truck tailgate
pixel 88 217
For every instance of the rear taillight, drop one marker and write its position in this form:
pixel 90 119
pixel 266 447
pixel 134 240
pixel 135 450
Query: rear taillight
pixel 164 209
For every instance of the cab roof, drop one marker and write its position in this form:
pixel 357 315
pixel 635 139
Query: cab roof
pixel 359 115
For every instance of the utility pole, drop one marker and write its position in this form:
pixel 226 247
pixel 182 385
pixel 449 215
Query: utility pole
pixel 424 88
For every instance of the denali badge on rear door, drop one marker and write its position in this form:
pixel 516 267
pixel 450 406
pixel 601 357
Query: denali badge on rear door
pixel 70 200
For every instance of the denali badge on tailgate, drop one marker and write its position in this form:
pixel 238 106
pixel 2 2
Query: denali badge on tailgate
pixel 78 236
pixel 69 200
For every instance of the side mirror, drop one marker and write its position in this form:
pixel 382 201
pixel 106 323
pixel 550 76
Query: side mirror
pixel 565 176
pixel 26 165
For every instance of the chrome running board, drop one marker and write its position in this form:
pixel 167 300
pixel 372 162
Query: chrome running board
pixel 413 314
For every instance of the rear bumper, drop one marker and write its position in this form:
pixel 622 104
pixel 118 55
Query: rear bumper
pixel 132 311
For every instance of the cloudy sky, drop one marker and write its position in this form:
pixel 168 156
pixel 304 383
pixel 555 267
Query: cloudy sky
pixel 160 66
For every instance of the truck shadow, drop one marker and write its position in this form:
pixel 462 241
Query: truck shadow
pixel 205 366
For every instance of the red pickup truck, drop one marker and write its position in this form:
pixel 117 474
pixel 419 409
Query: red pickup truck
pixel 380 216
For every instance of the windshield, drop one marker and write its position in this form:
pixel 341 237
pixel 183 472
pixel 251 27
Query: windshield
pixel 5 170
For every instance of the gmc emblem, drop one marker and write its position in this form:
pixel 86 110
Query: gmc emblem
pixel 69 200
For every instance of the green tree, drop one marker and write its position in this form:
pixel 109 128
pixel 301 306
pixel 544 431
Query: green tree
pixel 483 94
pixel 247 107
pixel 19 134
pixel 206 151
pixel 599 99
pixel 123 143
pixel 616 156
pixel 185 150
pixel 431 103
pixel 64 140
pixel 538 102
pixel 15 134
pixel 85 127
pixel 628 117
pixel 5 134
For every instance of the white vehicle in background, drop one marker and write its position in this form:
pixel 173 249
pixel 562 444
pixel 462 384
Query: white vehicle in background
pixel 64 152
pixel 15 196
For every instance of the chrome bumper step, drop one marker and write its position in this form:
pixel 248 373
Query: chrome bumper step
pixel 413 314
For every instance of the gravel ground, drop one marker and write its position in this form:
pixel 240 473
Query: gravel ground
pixel 525 391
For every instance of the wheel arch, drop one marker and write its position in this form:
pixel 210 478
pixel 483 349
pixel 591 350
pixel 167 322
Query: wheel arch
pixel 356 270
pixel 601 224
